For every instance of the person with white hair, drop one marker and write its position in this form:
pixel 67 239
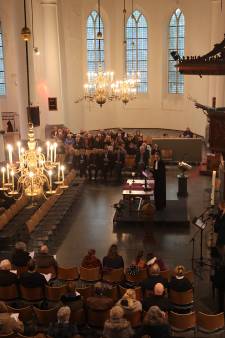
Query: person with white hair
pixel 7 277
pixel 155 324
pixel 44 260
pixel 63 328
pixel 117 326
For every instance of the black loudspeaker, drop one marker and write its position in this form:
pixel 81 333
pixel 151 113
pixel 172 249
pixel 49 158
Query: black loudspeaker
pixel 34 115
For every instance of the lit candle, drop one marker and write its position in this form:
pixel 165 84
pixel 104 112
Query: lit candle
pixel 10 149
pixel 3 176
pixel 19 148
pixel 213 187
pixel 62 169
pixel 51 152
pixel 59 171
pixel 55 146
pixel 50 179
pixel 7 172
pixel 48 148
pixel 12 174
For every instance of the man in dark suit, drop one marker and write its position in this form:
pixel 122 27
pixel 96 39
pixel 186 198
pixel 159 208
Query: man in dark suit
pixel 158 299
pixel 141 159
pixel 92 164
pixel 159 173
pixel 44 260
pixel 154 278
pixel 82 162
pixel 106 162
pixel 20 256
pixel 119 158
pixel 7 277
pixel 32 278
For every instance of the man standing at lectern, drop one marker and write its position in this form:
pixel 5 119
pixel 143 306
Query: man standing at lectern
pixel 159 173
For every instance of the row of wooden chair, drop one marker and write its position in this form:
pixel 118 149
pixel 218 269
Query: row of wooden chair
pixel 47 205
pixel 12 211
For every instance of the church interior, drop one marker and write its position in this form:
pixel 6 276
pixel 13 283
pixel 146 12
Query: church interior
pixel 112 190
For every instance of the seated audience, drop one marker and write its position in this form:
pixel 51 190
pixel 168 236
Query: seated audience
pixel 129 302
pixel 63 328
pixel 155 324
pixel 72 298
pixel 152 259
pixel 20 256
pixel 7 277
pixel 99 301
pixel 90 261
pixel 158 298
pixel 9 325
pixel 139 260
pixel 154 277
pixel 44 260
pixel 117 326
pixel 179 282
pixel 113 260
pixel 32 278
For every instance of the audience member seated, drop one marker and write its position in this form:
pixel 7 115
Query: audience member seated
pixel 152 259
pixel 188 133
pixel 44 260
pixel 139 260
pixel 7 277
pixel 117 326
pixel 155 324
pixel 90 261
pixel 32 278
pixel 72 298
pixel 8 324
pixel 155 149
pixel 63 328
pixel 154 277
pixel 99 301
pixel 158 298
pixel 179 282
pixel 20 256
pixel 129 302
pixel 113 260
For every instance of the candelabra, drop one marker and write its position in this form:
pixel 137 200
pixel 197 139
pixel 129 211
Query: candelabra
pixel 32 175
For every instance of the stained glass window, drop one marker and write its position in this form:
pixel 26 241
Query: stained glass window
pixel 2 68
pixel 95 46
pixel 137 48
pixel 176 43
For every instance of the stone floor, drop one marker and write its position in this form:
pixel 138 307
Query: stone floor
pixel 90 226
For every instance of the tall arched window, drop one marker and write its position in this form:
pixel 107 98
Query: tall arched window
pixel 2 68
pixel 95 46
pixel 137 48
pixel 176 43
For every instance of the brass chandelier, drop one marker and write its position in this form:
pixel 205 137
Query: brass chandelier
pixel 32 174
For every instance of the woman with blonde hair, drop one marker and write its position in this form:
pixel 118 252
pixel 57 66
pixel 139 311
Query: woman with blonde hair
pixel 129 302
pixel 179 282
pixel 155 324
pixel 117 326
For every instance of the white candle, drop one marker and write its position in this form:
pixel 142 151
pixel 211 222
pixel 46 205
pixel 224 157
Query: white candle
pixel 3 176
pixel 7 172
pixel 62 169
pixel 213 187
pixel 59 171
pixel 19 148
pixel 55 146
pixel 48 148
pixel 12 174
pixel 51 152
pixel 10 149
pixel 50 179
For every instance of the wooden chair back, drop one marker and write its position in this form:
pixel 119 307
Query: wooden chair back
pixel 210 322
pixel 86 291
pixel 97 318
pixel 183 322
pixel 10 335
pixel 113 293
pixel 54 293
pixel 90 275
pixel 47 270
pixel 25 313
pixel 165 274
pixel 181 298
pixel 8 292
pixel 114 276
pixel 134 317
pixel 78 317
pixel 21 269
pixel 44 317
pixel 31 294
pixel 68 273
pixel 139 277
